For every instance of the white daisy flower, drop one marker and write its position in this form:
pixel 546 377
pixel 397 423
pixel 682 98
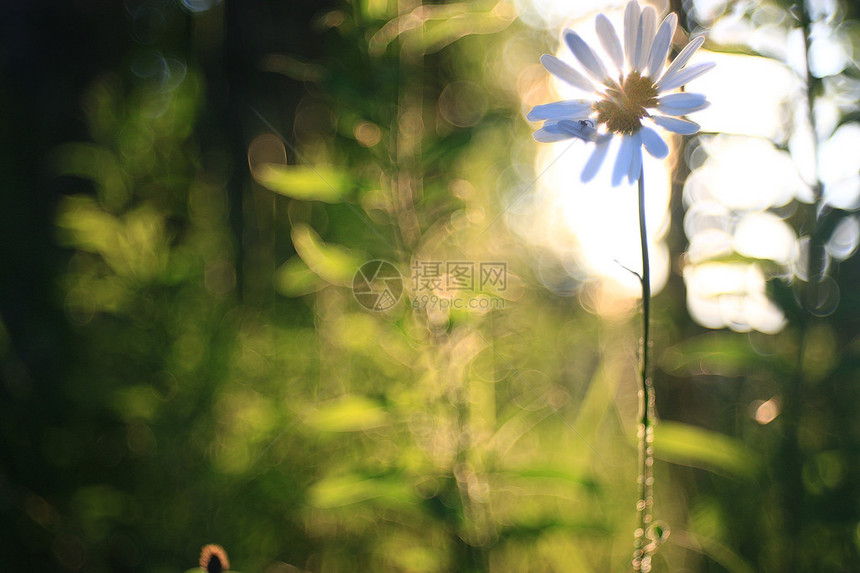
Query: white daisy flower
pixel 621 104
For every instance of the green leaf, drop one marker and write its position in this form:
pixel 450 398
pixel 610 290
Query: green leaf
pixel 89 161
pixel 305 182
pixel 348 414
pixel 693 446
pixel 598 402
pixel 84 225
pixel 338 491
pixel 725 354
pixel 535 528
pixel 332 263
pixel 541 473
pixel 295 278
pixel 438 26
pixel 717 551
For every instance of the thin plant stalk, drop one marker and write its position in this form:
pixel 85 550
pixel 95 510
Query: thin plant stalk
pixel 645 430
pixel 791 455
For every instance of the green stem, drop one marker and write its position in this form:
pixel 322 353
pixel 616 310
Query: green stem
pixel 645 430
pixel 791 460
pixel 811 84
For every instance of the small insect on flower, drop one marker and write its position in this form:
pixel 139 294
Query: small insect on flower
pixel 634 89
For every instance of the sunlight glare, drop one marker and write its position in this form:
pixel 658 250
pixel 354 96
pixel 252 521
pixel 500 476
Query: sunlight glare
pixel 749 95
pixel 731 295
pixel 743 173
pixel 554 14
pixel 839 167
pixel 764 235
pixel 604 219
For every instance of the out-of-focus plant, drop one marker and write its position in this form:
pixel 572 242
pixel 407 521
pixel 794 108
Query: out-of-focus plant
pixel 771 218
pixel 224 383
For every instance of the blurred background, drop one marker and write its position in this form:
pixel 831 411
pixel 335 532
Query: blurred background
pixel 193 349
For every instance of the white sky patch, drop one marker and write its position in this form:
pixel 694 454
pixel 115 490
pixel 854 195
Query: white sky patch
pixel 763 235
pixel 829 53
pixel 844 239
pixel 839 167
pixel 731 295
pixel 555 14
pixel 605 219
pixel 749 95
pixel 743 173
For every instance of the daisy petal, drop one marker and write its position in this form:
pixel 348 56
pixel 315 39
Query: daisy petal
pixel 681 77
pixel 622 162
pixel 609 40
pixel 550 133
pixel 636 159
pixel 631 32
pixel 595 161
pixel 647 26
pixel 683 57
pixel 660 47
pixel 676 125
pixel 580 129
pixel 566 73
pixel 683 100
pixel 653 143
pixel 667 110
pixel 570 109
pixel 585 55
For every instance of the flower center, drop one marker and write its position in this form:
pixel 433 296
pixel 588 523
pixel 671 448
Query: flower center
pixel 624 105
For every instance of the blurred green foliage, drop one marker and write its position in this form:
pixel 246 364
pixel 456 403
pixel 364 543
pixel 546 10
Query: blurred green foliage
pixel 212 378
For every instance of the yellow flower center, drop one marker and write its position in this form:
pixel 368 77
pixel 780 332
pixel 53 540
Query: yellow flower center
pixel 625 105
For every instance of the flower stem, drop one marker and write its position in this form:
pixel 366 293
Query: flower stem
pixel 645 431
